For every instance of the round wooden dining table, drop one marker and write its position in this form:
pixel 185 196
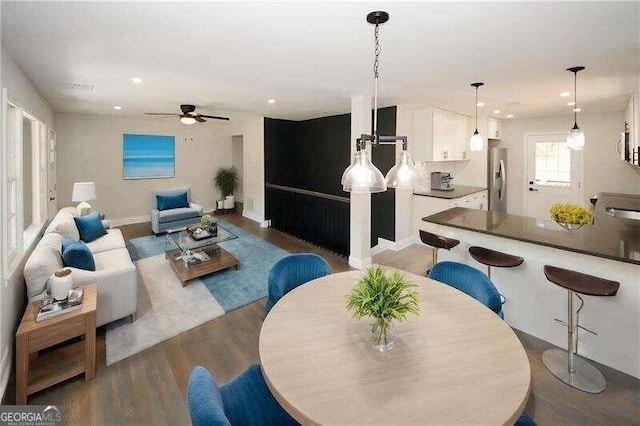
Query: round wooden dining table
pixel 455 363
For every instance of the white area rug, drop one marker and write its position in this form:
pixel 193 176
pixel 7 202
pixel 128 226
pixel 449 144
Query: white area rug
pixel 165 309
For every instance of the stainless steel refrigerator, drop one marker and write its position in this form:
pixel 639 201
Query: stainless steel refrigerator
pixel 497 179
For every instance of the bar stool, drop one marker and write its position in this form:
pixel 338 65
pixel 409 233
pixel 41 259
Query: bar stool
pixel 566 365
pixel 494 258
pixel 437 242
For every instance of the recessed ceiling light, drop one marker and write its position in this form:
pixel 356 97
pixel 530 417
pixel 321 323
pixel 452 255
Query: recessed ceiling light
pixel 497 111
pixel 118 107
pixel 480 104
pixel 136 80
pixel 577 110
pixel 509 115
pixel 272 101
pixel 571 103
pixel 565 94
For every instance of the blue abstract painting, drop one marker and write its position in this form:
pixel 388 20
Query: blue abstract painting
pixel 148 156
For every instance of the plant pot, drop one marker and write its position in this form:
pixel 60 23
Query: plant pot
pixel 229 202
pixel 220 204
pixel 570 226
pixel 383 336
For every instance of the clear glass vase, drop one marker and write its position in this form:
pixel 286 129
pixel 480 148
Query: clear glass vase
pixel 382 335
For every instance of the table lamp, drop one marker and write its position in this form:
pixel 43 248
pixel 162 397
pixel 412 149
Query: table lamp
pixel 83 192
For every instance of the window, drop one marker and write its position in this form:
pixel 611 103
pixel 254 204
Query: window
pixel 24 181
pixel 552 164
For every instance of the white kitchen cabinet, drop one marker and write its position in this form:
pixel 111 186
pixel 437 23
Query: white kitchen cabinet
pixel 440 135
pixel 494 128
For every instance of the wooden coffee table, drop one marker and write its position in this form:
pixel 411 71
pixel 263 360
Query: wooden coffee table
pixel 219 258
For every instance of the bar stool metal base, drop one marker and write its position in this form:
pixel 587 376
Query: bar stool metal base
pixel 585 377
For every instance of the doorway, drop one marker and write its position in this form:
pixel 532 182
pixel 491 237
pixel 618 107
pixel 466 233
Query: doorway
pixel 554 174
pixel 238 164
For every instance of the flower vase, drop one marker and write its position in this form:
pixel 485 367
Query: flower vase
pixel 383 336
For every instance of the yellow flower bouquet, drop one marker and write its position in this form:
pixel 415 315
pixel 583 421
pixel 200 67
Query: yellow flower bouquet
pixel 570 216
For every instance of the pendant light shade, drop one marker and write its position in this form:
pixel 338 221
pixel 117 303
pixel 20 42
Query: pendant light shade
pixel 401 175
pixel 187 120
pixel 476 143
pixel 575 138
pixel 363 176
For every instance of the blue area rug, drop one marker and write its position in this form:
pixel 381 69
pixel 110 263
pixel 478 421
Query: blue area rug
pixel 231 288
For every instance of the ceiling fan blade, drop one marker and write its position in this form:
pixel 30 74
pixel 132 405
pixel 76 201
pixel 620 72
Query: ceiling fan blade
pixel 164 117
pixel 162 113
pixel 199 119
pixel 215 117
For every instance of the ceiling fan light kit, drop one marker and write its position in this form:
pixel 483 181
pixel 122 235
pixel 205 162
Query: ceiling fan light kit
pixel 575 138
pixel 189 115
pixel 362 176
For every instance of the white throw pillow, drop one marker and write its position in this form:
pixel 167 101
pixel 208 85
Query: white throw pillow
pixel 64 224
pixel 43 262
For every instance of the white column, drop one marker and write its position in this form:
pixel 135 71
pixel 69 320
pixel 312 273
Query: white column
pixel 404 197
pixel 360 220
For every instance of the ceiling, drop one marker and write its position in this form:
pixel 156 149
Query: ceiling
pixel 230 58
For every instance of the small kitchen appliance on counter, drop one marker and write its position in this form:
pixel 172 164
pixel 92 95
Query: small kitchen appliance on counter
pixel 441 181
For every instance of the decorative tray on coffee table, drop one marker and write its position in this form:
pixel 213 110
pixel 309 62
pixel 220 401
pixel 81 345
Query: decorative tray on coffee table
pixel 203 232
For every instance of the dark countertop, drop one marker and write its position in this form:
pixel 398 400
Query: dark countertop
pixel 609 237
pixel 458 191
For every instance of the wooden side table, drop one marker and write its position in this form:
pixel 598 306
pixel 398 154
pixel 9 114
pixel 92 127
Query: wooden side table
pixel 35 373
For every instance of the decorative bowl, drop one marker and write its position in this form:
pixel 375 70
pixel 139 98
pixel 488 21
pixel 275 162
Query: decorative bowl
pixel 570 226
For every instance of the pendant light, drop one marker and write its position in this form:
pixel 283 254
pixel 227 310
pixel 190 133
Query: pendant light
pixel 575 139
pixel 362 175
pixel 475 142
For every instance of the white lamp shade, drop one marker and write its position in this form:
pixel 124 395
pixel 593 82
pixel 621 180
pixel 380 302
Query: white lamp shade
pixel 84 191
pixel 187 120
pixel 476 143
pixel 402 174
pixel 363 176
pixel 575 139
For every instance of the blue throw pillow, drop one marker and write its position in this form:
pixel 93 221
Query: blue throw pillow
pixel 77 255
pixel 90 227
pixel 168 202
pixel 66 242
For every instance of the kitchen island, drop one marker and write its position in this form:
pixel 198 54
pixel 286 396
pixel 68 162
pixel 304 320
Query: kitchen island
pixel 609 248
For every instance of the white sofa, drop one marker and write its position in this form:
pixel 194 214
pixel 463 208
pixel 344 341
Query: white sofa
pixel 115 273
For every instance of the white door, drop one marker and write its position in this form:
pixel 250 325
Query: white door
pixel 553 174
pixel 52 204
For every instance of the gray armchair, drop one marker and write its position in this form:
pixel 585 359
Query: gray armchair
pixel 162 220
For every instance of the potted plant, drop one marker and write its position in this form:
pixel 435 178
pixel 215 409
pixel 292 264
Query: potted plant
pixel 570 216
pixel 385 299
pixel 226 180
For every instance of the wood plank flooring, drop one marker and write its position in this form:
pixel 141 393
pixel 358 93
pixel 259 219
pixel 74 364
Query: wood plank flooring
pixel 149 388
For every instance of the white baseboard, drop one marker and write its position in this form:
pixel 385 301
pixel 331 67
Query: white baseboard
pixel 5 370
pixel 256 218
pixel 393 245
pixel 359 263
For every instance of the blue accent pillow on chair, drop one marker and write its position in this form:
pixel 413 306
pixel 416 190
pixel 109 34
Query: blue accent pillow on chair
pixel 90 227
pixel 168 202
pixel 76 254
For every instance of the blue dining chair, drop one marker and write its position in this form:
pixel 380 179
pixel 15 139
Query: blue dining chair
pixel 469 280
pixel 292 271
pixel 245 400
pixel 525 420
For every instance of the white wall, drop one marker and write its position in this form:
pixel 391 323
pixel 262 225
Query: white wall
pixel 238 163
pixel 252 131
pixel 603 171
pixel 12 291
pixel 89 148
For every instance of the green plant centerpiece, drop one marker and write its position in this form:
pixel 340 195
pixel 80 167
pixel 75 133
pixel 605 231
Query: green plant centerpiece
pixel 384 298
pixel 226 180
pixel 206 219
pixel 570 216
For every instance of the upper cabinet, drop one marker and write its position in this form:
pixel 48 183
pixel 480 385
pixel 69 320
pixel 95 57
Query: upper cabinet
pixel 440 135
pixel 494 128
